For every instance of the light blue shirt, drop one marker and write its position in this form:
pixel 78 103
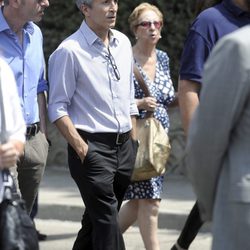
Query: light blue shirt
pixel 83 85
pixel 27 64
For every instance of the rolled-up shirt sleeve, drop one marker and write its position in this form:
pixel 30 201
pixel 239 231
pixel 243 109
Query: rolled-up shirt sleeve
pixel 62 83
pixel 43 83
pixel 42 86
pixel 194 55
pixel 133 106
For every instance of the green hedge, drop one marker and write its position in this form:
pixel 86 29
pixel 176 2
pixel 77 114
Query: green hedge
pixel 63 18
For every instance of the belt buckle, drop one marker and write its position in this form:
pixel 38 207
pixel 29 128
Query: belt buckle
pixel 36 128
pixel 28 131
pixel 118 139
pixel 32 130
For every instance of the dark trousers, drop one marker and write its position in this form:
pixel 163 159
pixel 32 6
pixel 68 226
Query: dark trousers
pixel 102 179
pixel 34 209
pixel 191 228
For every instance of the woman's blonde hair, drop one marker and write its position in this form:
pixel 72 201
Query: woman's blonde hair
pixel 133 18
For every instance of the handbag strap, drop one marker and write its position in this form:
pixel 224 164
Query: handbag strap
pixel 7 178
pixel 141 81
pixel 144 88
pixel 8 184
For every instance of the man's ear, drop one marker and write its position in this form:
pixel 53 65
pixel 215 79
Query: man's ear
pixel 84 9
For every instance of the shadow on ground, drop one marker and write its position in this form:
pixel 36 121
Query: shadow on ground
pixel 169 221
pixel 60 236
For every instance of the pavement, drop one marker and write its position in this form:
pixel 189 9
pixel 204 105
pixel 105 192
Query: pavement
pixel 61 208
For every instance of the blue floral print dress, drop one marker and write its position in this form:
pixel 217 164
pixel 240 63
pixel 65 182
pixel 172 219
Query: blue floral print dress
pixel 162 89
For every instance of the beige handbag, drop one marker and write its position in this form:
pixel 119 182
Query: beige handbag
pixel 154 147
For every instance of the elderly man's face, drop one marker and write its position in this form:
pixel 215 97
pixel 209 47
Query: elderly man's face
pixel 102 14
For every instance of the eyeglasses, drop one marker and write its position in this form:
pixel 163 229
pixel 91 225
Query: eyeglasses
pixel 147 24
pixel 113 64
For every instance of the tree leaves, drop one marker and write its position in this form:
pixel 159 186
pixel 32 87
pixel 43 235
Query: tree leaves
pixel 63 18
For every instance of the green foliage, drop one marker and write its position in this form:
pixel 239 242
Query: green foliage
pixel 63 18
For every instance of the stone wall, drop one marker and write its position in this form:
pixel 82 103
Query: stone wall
pixel 58 150
pixel 177 140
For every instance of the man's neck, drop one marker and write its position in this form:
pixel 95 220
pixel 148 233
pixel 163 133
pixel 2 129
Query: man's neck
pixel 102 33
pixel 15 23
pixel 13 20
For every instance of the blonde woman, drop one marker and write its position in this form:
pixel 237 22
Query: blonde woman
pixel 144 197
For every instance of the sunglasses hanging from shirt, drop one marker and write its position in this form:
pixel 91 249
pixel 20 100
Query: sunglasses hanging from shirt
pixel 113 65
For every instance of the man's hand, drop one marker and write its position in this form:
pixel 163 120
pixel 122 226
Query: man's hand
pixel 8 155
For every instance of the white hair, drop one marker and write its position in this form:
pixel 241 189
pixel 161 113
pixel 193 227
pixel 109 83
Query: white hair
pixel 80 2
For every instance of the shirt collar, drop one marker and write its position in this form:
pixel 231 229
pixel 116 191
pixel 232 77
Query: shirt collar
pixel 91 37
pixel 5 26
pixel 235 10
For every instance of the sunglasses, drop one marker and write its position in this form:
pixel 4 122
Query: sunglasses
pixel 147 24
pixel 113 65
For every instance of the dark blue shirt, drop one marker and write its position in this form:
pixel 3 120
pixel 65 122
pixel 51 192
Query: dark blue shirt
pixel 212 24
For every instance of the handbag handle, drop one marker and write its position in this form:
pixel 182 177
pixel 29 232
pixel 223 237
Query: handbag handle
pixel 144 88
pixel 8 185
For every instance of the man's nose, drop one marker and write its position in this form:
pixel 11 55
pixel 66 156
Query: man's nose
pixel 45 3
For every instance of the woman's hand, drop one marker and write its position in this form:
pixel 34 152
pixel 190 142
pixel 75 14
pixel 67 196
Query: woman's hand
pixel 8 155
pixel 147 103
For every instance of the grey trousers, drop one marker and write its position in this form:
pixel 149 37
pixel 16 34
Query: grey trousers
pixel 29 170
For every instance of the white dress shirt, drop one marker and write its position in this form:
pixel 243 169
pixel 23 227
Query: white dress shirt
pixel 14 122
pixel 83 84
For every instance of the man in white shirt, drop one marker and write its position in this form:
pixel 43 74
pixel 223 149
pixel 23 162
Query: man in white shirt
pixel 91 103
pixel 12 126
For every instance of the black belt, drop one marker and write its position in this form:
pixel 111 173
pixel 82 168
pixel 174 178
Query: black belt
pixel 106 138
pixel 32 129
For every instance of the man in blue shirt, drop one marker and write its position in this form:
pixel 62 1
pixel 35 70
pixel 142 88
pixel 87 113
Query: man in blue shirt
pixel 21 47
pixel 92 104
pixel 212 24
